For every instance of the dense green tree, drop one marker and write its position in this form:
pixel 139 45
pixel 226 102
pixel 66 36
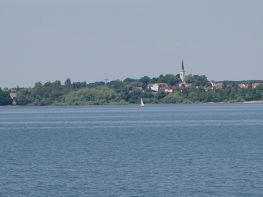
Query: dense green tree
pixel 95 84
pixel 5 98
pixel 117 85
pixel 25 96
pixel 169 79
pixel 174 97
pixel 101 95
pixel 128 81
pixel 145 80
pixel 133 96
pixel 67 83
pixel 130 91
pixel 77 85
pixel 198 80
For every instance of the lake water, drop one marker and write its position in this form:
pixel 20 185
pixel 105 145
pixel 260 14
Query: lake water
pixel 159 150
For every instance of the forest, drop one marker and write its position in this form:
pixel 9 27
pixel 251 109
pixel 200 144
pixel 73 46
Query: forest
pixel 131 90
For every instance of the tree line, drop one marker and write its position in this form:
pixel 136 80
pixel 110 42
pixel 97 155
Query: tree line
pixel 130 91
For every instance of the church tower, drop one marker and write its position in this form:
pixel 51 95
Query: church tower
pixel 182 73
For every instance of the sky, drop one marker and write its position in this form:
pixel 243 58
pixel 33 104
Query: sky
pixel 94 40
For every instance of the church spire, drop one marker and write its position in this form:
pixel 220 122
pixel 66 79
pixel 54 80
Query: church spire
pixel 182 65
pixel 182 73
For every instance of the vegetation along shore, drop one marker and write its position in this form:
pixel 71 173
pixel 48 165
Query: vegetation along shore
pixel 163 89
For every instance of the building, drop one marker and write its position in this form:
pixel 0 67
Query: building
pixel 153 87
pixel 243 85
pixel 168 89
pixel 217 85
pixel 255 85
pixel 184 85
pixel 182 73
pixel 160 87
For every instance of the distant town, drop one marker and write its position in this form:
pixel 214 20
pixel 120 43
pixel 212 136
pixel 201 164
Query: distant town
pixel 186 82
pixel 169 88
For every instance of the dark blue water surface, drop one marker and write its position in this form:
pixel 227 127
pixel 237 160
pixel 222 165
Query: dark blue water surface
pixel 159 150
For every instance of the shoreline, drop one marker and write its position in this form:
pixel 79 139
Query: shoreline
pixel 253 102
pixel 244 102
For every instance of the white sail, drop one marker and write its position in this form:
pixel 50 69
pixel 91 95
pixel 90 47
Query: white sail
pixel 142 104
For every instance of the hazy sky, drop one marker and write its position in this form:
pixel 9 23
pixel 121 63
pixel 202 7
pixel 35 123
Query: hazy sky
pixel 84 40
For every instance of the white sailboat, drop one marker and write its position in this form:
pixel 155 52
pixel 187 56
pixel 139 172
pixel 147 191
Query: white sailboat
pixel 142 104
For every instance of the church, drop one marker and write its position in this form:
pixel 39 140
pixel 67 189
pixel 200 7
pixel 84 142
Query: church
pixel 182 73
pixel 183 78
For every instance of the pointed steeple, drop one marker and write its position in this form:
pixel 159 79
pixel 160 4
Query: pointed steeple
pixel 182 73
pixel 182 65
